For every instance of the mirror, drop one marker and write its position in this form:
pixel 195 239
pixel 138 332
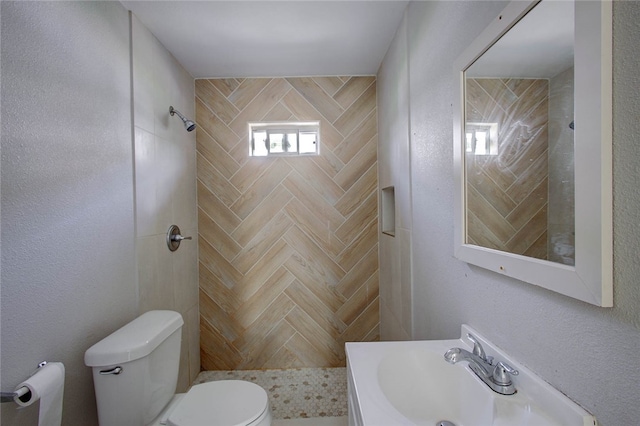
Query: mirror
pixel 532 147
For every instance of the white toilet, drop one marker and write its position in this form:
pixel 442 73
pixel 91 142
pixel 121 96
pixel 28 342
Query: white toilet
pixel 135 372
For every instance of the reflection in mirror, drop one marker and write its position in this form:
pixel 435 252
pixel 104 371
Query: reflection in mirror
pixel 519 121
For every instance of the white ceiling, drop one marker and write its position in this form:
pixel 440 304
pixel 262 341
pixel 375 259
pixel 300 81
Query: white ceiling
pixel 273 38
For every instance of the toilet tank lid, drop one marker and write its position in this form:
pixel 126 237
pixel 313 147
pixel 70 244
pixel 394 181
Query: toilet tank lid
pixel 135 340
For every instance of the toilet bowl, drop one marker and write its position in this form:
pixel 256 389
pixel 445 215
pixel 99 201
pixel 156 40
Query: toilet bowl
pixel 135 372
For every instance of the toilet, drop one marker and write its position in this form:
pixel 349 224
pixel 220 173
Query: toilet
pixel 135 372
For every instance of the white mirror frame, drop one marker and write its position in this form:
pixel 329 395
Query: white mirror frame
pixel 591 279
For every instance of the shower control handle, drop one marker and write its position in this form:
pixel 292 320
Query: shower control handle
pixel 174 238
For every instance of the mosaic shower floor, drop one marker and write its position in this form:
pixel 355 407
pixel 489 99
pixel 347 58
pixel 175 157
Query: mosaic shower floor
pixel 295 393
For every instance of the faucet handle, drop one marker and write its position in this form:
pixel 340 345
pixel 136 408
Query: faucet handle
pixel 502 374
pixel 477 348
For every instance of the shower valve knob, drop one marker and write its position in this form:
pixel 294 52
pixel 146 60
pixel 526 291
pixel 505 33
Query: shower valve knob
pixel 174 238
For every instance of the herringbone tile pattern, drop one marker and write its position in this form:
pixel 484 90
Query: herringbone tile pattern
pixel 288 246
pixel 507 194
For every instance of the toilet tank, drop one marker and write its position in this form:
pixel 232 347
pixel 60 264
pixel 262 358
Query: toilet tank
pixel 135 369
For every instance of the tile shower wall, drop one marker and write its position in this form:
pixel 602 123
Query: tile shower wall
pixel 507 193
pixel 288 246
pixel 165 190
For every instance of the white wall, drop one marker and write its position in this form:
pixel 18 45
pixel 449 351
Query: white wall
pixel 68 258
pixel 394 170
pixel 80 257
pixel 589 353
pixel 165 182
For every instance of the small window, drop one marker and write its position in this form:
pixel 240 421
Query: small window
pixel 288 138
pixel 481 138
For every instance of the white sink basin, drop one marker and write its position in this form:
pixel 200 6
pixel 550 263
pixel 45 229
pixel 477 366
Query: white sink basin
pixel 410 383
pixel 425 388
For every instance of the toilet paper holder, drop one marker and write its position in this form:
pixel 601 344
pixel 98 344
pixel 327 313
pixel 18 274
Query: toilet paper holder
pixel 9 396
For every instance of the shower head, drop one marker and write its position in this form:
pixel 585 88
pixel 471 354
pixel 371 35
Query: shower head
pixel 188 124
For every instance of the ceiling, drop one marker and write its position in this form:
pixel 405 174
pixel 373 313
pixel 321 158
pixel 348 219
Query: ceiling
pixel 216 39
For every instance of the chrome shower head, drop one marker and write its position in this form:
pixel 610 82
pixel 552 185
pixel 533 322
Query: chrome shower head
pixel 188 124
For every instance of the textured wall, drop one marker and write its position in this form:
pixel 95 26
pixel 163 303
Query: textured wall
pixel 68 258
pixel 288 245
pixel 165 181
pixel 588 353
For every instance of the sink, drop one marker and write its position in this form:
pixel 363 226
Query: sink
pixel 410 383
pixel 426 389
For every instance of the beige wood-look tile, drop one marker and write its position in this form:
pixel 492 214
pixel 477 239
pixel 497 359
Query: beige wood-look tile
pixel 499 172
pixel 217 264
pixel 518 85
pixel 488 109
pixel 317 97
pixel 316 204
pixel 226 86
pixel 262 242
pixel 211 312
pixel 318 311
pixel 322 341
pixel 357 112
pixel 313 227
pixel 529 233
pixel 362 134
pixel 328 162
pixel 358 165
pixel 250 310
pixel 261 215
pixel 215 154
pixel 258 329
pixel 357 303
pixel 365 322
pixel 329 84
pixel 359 274
pixel 215 352
pixel 316 178
pixel 250 171
pixel 352 90
pixel 365 213
pixel 222 214
pixel 215 100
pixel 259 106
pixel 480 234
pixel 304 111
pixel 286 224
pixel 261 188
pixel 530 205
pixel 216 237
pixel 530 178
pixel 539 248
pixel 305 352
pixel 373 335
pixel 224 296
pixel 358 192
pixel 268 264
pixel 277 337
pixel 499 226
pixel 279 112
pixel 491 192
pixel 215 182
pixel 216 128
pixel 247 91
pixel 311 258
pixel 361 244
pixel 498 91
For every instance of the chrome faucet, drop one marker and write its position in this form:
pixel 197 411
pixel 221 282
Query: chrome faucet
pixel 497 377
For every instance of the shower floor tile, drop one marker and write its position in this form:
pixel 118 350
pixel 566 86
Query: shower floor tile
pixel 295 393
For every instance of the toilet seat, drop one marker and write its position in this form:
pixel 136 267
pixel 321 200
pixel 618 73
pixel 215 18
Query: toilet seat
pixel 221 403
